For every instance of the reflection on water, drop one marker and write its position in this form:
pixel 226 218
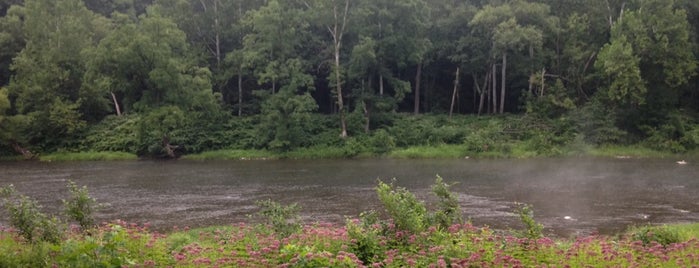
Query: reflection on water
pixel 570 195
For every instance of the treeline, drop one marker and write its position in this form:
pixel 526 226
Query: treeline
pixel 162 77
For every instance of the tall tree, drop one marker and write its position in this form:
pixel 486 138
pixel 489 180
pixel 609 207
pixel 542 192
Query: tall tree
pixel 655 34
pixel 272 50
pixel 511 27
pixel 393 26
pixel 48 71
pixel 11 40
pixel 334 16
pixel 148 64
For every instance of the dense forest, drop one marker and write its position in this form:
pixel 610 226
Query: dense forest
pixel 167 77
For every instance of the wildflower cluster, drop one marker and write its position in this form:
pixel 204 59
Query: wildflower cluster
pixel 122 244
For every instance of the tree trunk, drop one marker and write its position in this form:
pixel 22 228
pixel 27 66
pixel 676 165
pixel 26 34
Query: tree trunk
pixel 26 154
pixel 218 35
pixel 494 97
pixel 482 90
pixel 380 85
pixel 367 117
pixel 416 109
pixel 503 83
pixel 531 61
pixel 240 90
pixel 337 31
pixel 169 149
pixel 116 104
pixel 338 82
pixel 453 95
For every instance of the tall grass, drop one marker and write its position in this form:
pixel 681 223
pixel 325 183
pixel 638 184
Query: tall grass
pixel 88 156
pixel 232 155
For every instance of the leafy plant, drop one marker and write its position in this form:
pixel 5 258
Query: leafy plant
pixel 25 215
pixel 533 229
pixel 448 209
pixel 284 220
pixel 408 213
pixel 660 234
pixel 365 236
pixel 80 206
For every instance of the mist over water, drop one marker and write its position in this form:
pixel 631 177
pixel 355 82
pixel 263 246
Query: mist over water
pixel 570 196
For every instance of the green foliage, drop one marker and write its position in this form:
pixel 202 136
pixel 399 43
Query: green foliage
pixel 365 234
pixel 448 208
pixel 381 142
pixel 80 206
pixel 408 213
pixel 485 138
pixel 597 123
pixel 110 247
pixel 25 215
pixel 285 120
pixel 663 235
pixel 114 133
pixel 173 68
pixel 678 135
pixel 284 220
pixel 533 229
pixel 619 64
pixel 554 103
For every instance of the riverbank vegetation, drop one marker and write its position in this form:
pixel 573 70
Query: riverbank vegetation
pixel 405 234
pixel 318 79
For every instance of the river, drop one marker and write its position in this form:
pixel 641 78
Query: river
pixel 570 196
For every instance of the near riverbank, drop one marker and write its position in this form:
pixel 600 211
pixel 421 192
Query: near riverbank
pixel 121 244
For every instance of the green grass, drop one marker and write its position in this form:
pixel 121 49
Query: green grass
pixel 232 155
pixel 88 156
pixel 316 152
pixel 438 151
pixel 635 151
pixel 685 231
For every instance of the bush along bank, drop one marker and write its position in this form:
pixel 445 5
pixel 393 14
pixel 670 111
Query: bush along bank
pixel 408 236
pixel 390 135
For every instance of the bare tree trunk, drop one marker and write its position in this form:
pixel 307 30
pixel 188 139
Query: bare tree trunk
pixel 494 97
pixel 367 117
pixel 337 32
pixel 116 104
pixel 240 90
pixel 169 149
pixel 531 61
pixel 456 87
pixel 416 109
pixel 26 154
pixel 380 85
pixel 482 91
pixel 503 83
pixel 217 28
pixel 543 82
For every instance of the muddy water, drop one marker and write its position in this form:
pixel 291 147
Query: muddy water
pixel 570 195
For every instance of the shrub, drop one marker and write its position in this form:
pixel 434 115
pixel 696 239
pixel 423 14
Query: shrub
pixel 365 235
pixel 533 229
pixel 25 215
pixel 484 139
pixel 80 206
pixel 660 234
pixel 448 209
pixel 408 213
pixel 284 220
pixel 381 142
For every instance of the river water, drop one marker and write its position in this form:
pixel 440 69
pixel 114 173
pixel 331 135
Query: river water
pixel 570 196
